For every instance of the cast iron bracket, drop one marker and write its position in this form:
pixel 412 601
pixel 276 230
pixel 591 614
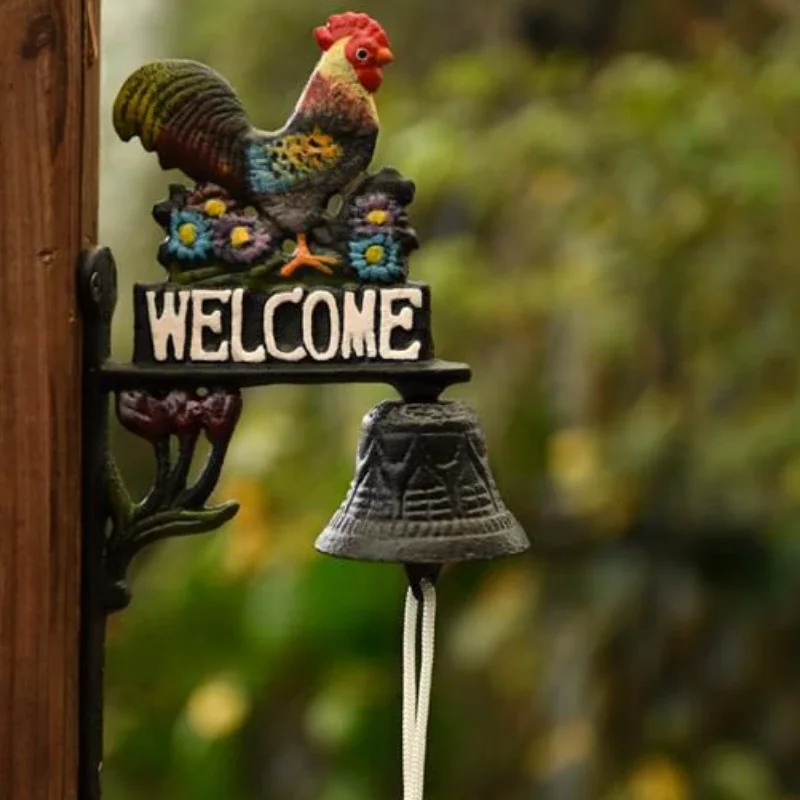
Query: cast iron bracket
pixel 178 403
pixel 171 407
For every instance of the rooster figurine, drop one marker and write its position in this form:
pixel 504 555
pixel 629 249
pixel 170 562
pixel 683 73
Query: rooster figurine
pixel 193 120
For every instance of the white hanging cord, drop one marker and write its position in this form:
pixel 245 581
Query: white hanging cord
pixel 409 688
pixel 416 705
pixel 425 684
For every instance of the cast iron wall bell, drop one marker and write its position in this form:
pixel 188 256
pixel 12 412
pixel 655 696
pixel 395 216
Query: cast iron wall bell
pixel 286 262
pixel 423 492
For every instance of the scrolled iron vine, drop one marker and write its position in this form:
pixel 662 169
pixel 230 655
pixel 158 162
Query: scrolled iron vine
pixel 170 508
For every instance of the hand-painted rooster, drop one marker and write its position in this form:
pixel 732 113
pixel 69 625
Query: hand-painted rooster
pixel 191 117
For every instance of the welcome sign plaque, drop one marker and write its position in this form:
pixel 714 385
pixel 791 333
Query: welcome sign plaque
pixel 292 325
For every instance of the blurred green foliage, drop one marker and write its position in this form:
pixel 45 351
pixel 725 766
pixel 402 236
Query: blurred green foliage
pixel 614 251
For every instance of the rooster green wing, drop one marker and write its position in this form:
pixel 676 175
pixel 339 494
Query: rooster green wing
pixel 190 116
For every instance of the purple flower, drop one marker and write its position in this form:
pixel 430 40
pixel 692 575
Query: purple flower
pixel 241 239
pixel 206 201
pixel 199 196
pixel 143 415
pixel 221 412
pixel 375 213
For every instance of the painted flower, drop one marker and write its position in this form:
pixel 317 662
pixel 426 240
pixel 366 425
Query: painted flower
pixel 185 413
pixel 375 213
pixel 377 258
pixel 241 239
pixel 203 194
pixel 189 236
pixel 215 207
pixel 143 414
pixel 221 412
pixel 207 200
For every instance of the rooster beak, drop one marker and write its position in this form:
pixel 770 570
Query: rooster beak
pixel 384 56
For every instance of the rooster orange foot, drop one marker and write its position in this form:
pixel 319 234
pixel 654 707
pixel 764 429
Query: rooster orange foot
pixel 303 257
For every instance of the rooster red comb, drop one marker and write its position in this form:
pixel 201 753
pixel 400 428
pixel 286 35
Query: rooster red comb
pixel 341 25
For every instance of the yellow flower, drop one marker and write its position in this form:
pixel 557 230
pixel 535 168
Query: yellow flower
pixel 187 233
pixel 217 709
pixel 566 745
pixel 578 469
pixel 374 254
pixel 215 207
pixel 657 778
pixel 574 460
pixel 240 236
pixel 246 552
pixel 249 543
pixel 378 217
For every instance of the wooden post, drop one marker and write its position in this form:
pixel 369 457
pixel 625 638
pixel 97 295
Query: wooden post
pixel 48 209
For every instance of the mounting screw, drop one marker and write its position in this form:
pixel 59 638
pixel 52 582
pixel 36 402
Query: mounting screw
pixel 96 287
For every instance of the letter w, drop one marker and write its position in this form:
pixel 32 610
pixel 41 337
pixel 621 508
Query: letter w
pixel 168 326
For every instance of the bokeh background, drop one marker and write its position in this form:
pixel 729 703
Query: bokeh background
pixel 610 210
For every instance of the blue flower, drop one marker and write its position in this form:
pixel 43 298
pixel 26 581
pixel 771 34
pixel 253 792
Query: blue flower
pixel 377 258
pixel 190 236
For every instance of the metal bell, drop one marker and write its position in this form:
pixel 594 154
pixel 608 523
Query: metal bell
pixel 423 492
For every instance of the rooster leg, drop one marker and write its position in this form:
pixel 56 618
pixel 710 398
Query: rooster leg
pixel 303 257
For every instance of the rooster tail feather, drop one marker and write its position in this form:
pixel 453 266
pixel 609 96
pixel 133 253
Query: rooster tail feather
pixel 190 116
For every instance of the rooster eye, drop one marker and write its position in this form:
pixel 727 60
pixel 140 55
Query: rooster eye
pixel 362 54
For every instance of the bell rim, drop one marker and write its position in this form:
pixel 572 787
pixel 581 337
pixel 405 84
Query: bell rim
pixel 421 541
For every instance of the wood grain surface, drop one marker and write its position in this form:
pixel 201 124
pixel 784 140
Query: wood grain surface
pixel 48 202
